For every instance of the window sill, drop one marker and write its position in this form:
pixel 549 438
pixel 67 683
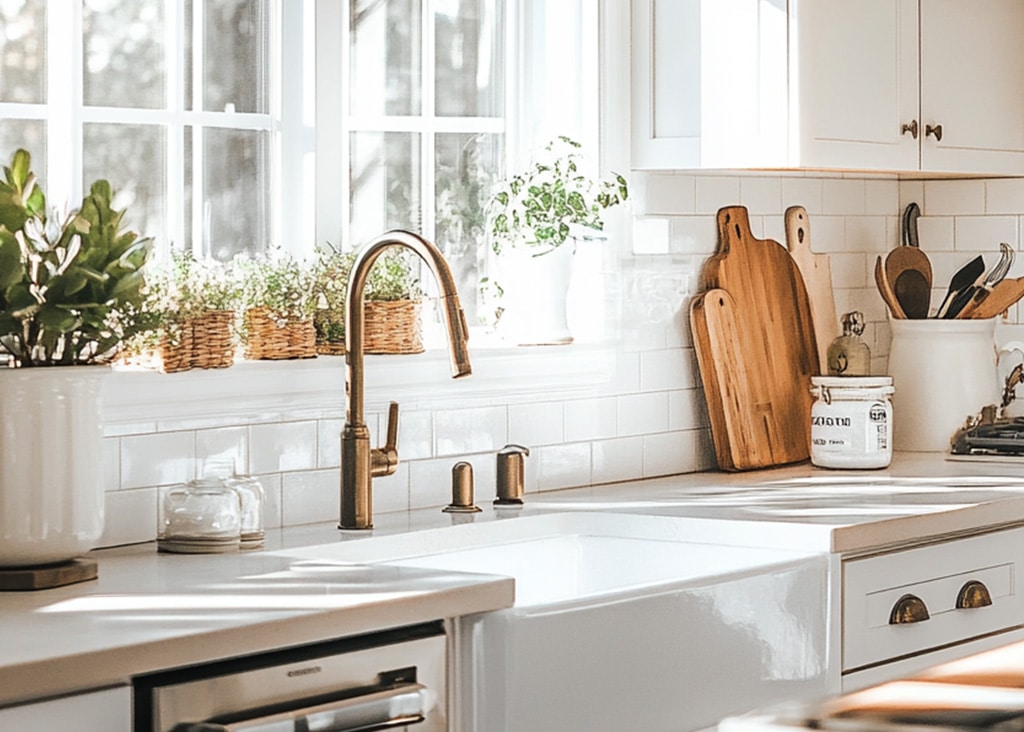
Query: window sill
pixel 138 400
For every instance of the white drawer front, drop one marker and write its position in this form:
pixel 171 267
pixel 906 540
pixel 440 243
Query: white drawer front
pixel 935 574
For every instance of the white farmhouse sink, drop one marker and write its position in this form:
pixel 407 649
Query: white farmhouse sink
pixel 620 622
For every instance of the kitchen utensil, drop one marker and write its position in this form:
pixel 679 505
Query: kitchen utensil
pixel 963 278
pixel 909 270
pixel 1004 295
pixel 992 278
pixel 756 348
pixel 885 289
pixel 817 273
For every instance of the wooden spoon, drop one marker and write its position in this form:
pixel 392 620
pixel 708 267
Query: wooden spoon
pixel 1003 296
pixel 909 270
pixel 885 289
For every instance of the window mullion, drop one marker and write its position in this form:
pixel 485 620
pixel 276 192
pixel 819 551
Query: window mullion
pixel 64 101
pixel 199 205
pixel 174 35
pixel 428 145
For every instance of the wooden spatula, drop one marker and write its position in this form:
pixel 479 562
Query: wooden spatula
pixel 1004 295
pixel 817 273
pixel 885 290
pixel 909 270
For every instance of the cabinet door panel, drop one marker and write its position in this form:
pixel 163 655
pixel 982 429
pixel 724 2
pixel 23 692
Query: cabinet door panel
pixel 108 710
pixel 858 80
pixel 972 74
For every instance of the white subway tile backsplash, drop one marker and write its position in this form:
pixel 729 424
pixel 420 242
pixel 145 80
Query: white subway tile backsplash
pixel 1004 196
pixel 761 196
pixel 161 458
pixel 640 414
pixel 536 424
pixel 935 234
pixel 881 197
pixel 953 197
pixel 465 431
pixel 911 191
pixel 687 410
pixel 590 419
pixel 613 461
pixel 714 192
pixel 562 466
pixel 843 197
pixel 669 369
pixel 667 194
pixel 806 192
pixel 868 234
pixel 983 233
pixel 651 235
pixel 850 270
pixel 695 235
pixel 272 518
pixel 827 234
pixel 130 517
pixel 310 497
pixel 285 446
pixel 391 493
pixel 670 453
pixel 328 442
pixel 415 435
pixel 111 463
pixel 229 444
pixel 430 482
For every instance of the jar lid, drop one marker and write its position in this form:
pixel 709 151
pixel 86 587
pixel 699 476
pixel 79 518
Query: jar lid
pixel 852 382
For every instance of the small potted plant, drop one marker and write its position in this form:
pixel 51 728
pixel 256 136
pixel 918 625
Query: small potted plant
pixel 71 291
pixel 532 216
pixel 214 294
pixel 277 297
pixel 330 285
pixel 394 302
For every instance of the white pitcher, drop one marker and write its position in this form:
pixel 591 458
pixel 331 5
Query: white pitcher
pixel 943 372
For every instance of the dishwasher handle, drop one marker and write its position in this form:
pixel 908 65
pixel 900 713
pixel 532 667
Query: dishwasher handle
pixel 405 704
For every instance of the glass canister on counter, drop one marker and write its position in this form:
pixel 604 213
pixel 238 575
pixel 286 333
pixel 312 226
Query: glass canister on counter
pixel 202 516
pixel 251 500
pixel 851 422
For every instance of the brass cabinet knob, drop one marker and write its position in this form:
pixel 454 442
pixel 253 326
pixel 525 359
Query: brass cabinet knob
pixel 908 609
pixel 911 128
pixel 933 130
pixel 973 594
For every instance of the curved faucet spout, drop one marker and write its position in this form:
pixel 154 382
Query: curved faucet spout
pixel 359 463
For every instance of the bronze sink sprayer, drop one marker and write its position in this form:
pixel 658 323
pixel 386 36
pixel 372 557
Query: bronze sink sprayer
pixel 360 463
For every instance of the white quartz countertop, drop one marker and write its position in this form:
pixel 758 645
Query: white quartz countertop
pixel 150 611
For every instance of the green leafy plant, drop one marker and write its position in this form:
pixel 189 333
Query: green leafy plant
pixel 543 206
pixel 330 284
pixel 392 278
pixel 71 286
pixel 279 282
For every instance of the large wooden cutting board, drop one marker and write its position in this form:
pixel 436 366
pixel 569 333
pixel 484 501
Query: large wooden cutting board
pixel 756 348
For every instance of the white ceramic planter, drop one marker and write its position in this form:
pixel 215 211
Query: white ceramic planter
pixel 51 474
pixel 536 289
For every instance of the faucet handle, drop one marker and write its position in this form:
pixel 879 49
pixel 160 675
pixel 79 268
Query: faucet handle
pixel 384 459
pixel 510 471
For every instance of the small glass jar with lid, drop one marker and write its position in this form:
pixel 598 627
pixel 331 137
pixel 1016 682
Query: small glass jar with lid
pixel 250 499
pixel 201 516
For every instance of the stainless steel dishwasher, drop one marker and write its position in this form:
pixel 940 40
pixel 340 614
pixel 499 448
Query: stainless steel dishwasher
pixel 393 680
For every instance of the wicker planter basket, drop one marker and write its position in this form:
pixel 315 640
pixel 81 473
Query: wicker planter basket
pixel 268 337
pixel 393 327
pixel 176 356
pixel 212 344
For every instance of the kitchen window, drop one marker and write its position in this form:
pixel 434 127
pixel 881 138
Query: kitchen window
pixel 232 126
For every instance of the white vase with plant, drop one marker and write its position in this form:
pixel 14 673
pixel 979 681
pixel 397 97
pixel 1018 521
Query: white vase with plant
pixel 535 219
pixel 70 294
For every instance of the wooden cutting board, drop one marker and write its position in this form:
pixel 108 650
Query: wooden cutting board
pixel 816 269
pixel 755 347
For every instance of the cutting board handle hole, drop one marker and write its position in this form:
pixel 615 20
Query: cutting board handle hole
pixel 739 232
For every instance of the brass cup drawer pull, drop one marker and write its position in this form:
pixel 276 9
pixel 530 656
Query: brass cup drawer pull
pixel 908 609
pixel 973 594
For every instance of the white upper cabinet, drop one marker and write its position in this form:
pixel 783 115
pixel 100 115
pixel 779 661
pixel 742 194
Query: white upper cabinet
pixel 892 85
